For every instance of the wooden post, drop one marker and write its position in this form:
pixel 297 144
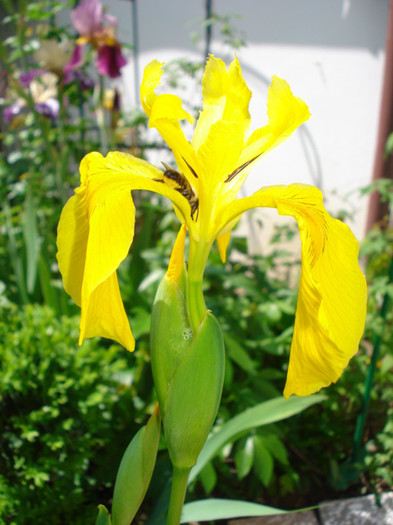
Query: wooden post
pixel 383 167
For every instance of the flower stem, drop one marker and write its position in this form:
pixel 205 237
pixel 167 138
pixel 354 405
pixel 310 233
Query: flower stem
pixel 178 494
pixel 197 258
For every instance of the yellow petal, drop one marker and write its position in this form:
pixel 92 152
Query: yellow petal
pixel 219 155
pixel 285 113
pixel 164 112
pixel 331 306
pixel 111 230
pixel 222 243
pixel 105 316
pixel 95 233
pixel 168 107
pixel 176 262
pixel 225 97
pixel 72 237
pixel 151 79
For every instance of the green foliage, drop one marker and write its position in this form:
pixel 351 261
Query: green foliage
pixel 67 414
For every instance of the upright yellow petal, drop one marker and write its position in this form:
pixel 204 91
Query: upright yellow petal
pixel 222 243
pixel 164 112
pixel 225 97
pixel 151 79
pixel 331 306
pixel 285 111
pixel 285 114
pixel 176 262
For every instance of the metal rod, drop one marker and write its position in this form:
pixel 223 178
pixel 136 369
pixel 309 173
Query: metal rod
pixel 135 45
pixel 208 33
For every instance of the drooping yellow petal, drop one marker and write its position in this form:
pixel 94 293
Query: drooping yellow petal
pixel 332 297
pixel 104 315
pixel 111 230
pixel 95 233
pixel 72 237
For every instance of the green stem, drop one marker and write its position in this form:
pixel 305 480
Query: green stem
pixel 197 258
pixel 178 494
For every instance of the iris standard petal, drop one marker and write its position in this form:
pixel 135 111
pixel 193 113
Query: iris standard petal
pixel 331 306
pixel 151 79
pixel 285 113
pixel 164 112
pixel 225 97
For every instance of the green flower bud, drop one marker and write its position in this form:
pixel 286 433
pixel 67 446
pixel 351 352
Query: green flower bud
pixel 135 471
pixel 170 336
pixel 188 372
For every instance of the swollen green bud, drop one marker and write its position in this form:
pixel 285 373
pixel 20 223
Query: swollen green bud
pixel 188 372
pixel 135 471
pixel 170 336
pixel 194 394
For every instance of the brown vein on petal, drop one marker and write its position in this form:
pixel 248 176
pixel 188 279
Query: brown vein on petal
pixel 240 168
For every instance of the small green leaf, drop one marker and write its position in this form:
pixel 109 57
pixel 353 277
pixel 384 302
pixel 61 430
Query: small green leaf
pixel 263 461
pixel 208 478
pixel 32 240
pixel 103 517
pixel 275 446
pixel 237 354
pixel 244 457
pixel 220 509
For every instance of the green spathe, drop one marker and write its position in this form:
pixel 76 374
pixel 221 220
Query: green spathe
pixel 103 517
pixel 188 372
pixel 170 335
pixel 194 394
pixel 135 471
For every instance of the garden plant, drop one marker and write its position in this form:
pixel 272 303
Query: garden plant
pixel 213 341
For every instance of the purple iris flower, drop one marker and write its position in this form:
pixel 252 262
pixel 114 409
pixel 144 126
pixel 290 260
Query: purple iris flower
pixel 11 111
pixel 110 60
pixel 89 21
pixel 50 108
pixel 27 76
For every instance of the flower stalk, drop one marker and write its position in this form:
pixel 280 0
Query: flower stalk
pixel 178 494
pixel 197 258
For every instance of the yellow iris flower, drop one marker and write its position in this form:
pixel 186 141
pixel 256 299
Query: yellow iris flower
pixel 97 224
